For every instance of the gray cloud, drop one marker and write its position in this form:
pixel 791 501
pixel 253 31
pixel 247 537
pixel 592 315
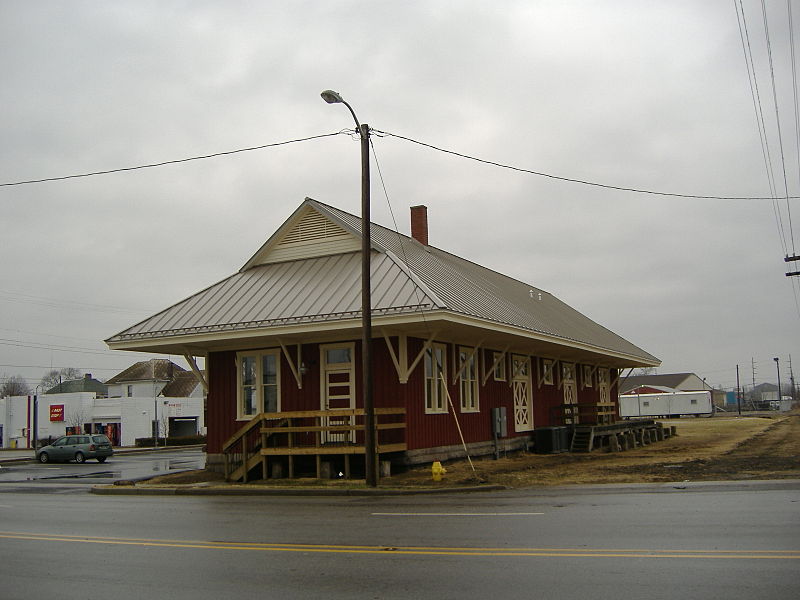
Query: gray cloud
pixel 649 95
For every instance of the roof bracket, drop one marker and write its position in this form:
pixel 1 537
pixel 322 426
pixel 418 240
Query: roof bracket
pixel 500 357
pixel 193 366
pixel 546 371
pixel 422 352
pixel 401 363
pixel 591 375
pixel 293 366
pixel 463 366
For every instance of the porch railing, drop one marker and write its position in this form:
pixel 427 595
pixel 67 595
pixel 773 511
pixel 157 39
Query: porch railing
pixel 286 435
pixel 588 413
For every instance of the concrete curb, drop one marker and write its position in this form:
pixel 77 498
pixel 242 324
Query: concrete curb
pixel 124 490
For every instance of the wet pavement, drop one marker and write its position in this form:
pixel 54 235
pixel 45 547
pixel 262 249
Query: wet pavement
pixel 123 465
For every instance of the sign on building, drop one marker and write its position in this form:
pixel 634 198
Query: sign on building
pixel 56 412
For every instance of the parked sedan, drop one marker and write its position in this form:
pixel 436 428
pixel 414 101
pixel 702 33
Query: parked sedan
pixel 77 448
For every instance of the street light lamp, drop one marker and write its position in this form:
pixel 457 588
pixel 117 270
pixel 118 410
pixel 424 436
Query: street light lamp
pixel 370 450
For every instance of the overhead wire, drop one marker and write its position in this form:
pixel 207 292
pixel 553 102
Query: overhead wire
pixel 569 179
pixel 793 63
pixel 755 94
pixel 175 161
pixel 764 137
pixel 777 119
pixel 58 348
pixel 13 296
pixel 794 88
pixel 408 139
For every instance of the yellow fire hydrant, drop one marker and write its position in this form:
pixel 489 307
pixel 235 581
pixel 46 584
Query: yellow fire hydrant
pixel 437 470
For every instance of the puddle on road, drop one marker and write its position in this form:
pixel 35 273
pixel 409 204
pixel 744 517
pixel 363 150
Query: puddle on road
pixel 125 470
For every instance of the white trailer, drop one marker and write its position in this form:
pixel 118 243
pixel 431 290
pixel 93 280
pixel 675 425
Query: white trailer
pixel 668 404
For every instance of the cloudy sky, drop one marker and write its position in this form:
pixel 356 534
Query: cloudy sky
pixel 649 95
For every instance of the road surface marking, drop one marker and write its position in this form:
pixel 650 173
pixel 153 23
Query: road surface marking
pixel 416 550
pixel 444 514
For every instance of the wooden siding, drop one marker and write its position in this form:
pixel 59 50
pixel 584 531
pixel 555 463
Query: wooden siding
pixel 422 430
pixel 221 403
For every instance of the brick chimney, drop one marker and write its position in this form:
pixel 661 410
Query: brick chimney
pixel 419 224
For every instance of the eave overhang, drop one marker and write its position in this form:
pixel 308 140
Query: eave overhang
pixel 446 325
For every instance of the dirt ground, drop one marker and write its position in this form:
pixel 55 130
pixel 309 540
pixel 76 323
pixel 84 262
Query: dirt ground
pixel 764 446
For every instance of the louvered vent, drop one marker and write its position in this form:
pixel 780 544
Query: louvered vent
pixel 313 235
pixel 312 228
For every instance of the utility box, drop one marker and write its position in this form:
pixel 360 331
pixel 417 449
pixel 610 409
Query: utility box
pixel 499 422
pixel 551 440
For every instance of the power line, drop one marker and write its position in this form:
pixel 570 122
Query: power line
pixel 408 139
pixel 571 179
pixel 74 349
pixel 752 80
pixel 56 368
pixel 777 119
pixel 65 304
pixel 172 162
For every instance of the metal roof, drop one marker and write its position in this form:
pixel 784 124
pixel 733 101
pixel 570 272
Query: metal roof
pixel 159 369
pixel 408 278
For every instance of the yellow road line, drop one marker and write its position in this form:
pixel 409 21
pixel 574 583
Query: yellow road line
pixel 414 550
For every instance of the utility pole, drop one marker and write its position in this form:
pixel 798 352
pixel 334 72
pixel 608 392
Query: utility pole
pixel 752 396
pixel 792 258
pixel 738 392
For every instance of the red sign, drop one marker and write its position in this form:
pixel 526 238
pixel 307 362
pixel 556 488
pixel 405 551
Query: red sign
pixel 56 412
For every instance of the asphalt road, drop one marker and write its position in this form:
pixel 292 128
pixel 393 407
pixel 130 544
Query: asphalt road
pixel 728 541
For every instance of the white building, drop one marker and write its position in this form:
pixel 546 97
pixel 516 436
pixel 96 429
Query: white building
pixel 123 420
pixel 147 392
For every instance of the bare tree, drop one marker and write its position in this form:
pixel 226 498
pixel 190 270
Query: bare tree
pixel 646 371
pixel 14 385
pixel 75 418
pixel 164 423
pixel 55 376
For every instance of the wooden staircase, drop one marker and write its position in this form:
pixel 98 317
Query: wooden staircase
pixel 308 433
pixel 582 439
pixel 242 451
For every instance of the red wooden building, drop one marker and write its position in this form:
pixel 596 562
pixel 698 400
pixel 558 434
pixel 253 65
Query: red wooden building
pixel 453 340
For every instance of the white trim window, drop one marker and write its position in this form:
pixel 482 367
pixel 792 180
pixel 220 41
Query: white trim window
pixel 258 383
pixel 468 379
pixel 435 379
pixel 500 367
pixel 547 371
pixel 587 376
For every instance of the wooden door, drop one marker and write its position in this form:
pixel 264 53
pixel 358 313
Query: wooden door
pixel 568 381
pixel 338 389
pixel 521 385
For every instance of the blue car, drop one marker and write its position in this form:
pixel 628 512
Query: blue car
pixel 77 448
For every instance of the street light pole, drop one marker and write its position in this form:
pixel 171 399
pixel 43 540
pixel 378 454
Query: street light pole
pixel 778 366
pixel 36 416
pixel 370 449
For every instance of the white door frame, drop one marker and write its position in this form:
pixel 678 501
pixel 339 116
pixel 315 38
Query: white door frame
pixel 522 384
pixel 326 370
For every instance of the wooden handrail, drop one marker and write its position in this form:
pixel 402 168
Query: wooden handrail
pixel 242 431
pixel 264 425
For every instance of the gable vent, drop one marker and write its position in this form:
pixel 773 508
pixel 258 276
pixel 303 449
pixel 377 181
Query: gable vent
pixel 312 228
pixel 312 235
